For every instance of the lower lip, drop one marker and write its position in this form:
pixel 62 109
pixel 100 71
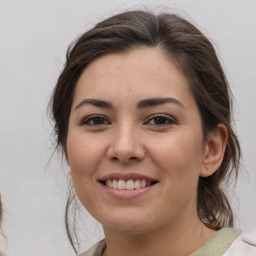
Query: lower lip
pixel 126 194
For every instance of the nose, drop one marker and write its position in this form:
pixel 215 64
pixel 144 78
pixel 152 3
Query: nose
pixel 126 145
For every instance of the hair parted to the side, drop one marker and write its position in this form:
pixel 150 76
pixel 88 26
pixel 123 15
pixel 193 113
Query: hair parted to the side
pixel 195 56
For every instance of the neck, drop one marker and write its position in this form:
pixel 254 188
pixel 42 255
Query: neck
pixel 165 241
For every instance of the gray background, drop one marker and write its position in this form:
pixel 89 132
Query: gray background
pixel 34 36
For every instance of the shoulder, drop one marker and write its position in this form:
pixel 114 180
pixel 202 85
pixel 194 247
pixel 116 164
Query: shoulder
pixel 96 250
pixel 243 245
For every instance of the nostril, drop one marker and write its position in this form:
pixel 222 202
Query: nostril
pixel 115 158
pixel 125 153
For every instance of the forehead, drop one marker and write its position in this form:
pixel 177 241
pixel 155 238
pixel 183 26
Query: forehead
pixel 144 71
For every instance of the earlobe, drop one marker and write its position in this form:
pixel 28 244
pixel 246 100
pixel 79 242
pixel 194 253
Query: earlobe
pixel 214 150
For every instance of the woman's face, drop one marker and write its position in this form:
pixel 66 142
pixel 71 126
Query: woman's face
pixel 135 145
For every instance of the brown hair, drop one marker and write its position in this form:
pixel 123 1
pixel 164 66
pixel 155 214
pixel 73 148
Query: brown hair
pixel 194 55
pixel 1 211
pixel 1 214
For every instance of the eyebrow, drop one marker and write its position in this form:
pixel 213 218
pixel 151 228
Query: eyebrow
pixel 158 101
pixel 95 102
pixel 142 104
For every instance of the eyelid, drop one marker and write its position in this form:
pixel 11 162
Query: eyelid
pixel 91 117
pixel 85 121
pixel 168 117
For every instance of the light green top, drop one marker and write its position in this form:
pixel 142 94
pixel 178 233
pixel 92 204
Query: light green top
pixel 216 245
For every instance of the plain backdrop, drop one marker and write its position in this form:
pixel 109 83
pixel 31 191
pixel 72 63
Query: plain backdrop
pixel 34 36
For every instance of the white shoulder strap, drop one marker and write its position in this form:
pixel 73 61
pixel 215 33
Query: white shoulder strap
pixel 243 245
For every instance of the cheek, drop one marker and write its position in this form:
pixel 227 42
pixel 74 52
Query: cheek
pixel 84 157
pixel 180 157
pixel 83 154
pixel 180 162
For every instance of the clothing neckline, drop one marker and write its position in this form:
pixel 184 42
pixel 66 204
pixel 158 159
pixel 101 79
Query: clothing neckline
pixel 218 243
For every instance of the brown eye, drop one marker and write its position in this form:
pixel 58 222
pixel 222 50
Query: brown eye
pixel 95 121
pixel 160 120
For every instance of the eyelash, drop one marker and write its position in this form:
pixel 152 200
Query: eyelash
pixel 87 120
pixel 161 117
pixel 165 120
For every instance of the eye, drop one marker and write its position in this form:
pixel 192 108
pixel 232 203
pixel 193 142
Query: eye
pixel 95 121
pixel 160 120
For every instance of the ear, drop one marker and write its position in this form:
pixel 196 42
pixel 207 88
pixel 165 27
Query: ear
pixel 215 146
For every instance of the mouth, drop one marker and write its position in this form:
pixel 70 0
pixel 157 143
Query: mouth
pixel 127 184
pixel 127 181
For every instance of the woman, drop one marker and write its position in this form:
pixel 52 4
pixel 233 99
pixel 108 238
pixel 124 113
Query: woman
pixel 142 112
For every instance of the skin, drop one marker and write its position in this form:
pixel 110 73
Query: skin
pixel 127 139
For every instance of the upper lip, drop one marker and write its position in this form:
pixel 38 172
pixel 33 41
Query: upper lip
pixel 126 176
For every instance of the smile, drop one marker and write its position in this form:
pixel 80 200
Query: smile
pixel 129 184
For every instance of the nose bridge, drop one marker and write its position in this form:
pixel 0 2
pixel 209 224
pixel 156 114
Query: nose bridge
pixel 126 144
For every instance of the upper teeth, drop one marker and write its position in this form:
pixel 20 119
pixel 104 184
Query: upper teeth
pixel 129 184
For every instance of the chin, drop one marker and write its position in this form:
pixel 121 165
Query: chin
pixel 128 229
pixel 128 224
